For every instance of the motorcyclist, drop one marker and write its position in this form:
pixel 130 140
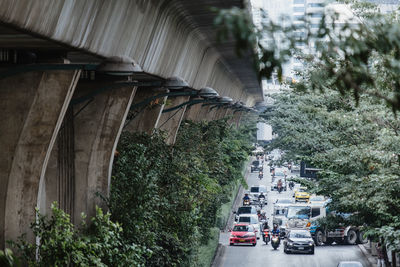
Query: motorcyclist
pixel 261 197
pixel 291 184
pixel 279 185
pixel 246 197
pixel 275 229
pixel 260 175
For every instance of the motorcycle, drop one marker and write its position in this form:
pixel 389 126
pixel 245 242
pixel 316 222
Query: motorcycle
pixel 246 202
pixel 266 237
pixel 260 175
pixel 280 189
pixel 275 241
pixel 261 202
pixel 291 185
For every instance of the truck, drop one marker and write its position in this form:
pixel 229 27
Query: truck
pixel 306 216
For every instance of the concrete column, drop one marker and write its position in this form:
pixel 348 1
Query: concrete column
pixel 171 121
pixel 96 126
pixel 32 107
pixel 220 113
pixel 145 118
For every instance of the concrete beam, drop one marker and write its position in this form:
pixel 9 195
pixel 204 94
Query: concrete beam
pixel 145 118
pixel 32 108
pixel 171 121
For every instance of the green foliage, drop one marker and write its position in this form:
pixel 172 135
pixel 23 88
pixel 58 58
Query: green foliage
pixel 7 258
pixel 61 244
pixel 356 146
pixel 167 197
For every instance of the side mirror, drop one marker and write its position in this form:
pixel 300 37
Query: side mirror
pixel 234 212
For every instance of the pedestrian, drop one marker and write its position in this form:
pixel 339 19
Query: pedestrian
pixel 379 251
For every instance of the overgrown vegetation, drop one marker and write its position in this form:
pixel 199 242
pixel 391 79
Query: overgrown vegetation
pixel 163 203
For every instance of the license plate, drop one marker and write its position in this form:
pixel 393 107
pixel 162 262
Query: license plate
pixel 241 240
pixel 301 248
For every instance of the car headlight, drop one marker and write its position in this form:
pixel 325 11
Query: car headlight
pixel 290 243
pixel 233 236
pixel 311 244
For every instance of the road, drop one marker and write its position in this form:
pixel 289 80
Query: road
pixel 264 255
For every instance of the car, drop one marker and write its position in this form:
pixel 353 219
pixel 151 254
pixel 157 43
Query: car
pixel 350 264
pixel 243 234
pixel 255 165
pixel 251 219
pixel 245 210
pixel 301 194
pixel 255 191
pixel 299 241
pixel 317 200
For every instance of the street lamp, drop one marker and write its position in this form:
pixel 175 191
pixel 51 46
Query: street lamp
pixel 175 83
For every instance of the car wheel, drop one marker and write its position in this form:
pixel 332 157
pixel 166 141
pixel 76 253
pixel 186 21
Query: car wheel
pixel 254 244
pixel 312 252
pixel 351 237
pixel 230 244
pixel 360 238
pixel 318 238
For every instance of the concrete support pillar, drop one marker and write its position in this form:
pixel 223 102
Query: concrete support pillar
pixel 220 113
pixel 32 108
pixel 145 118
pixel 199 112
pixel 171 121
pixel 95 127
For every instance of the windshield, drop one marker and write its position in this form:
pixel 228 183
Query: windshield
pixel 254 189
pixel 284 201
pixel 302 234
pixel 242 228
pixel 298 212
pixel 257 189
pixel 302 190
pixel 244 219
pixel 279 174
pixel 243 210
pixel 317 199
pixel 256 163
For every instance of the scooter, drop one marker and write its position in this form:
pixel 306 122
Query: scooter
pixel 275 241
pixel 266 237
pixel 279 189
pixel 260 175
pixel 246 202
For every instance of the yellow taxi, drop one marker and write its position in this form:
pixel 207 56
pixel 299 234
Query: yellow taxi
pixel 301 194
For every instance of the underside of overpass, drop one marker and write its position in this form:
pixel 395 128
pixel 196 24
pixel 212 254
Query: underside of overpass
pixel 75 74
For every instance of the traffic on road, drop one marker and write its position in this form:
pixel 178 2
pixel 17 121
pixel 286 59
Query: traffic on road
pixel 276 224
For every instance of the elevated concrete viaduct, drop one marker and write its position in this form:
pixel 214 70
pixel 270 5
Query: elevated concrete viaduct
pixel 74 74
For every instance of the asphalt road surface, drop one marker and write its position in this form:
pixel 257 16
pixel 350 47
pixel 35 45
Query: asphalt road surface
pixel 265 255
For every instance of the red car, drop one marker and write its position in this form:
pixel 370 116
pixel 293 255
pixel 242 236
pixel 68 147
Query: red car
pixel 243 234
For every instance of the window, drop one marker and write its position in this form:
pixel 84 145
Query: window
pixel 298 9
pixel 316 5
pixel 298 17
pixel 254 189
pixel 315 212
pixel 315 26
pixel 298 1
pixel 244 219
pixel 316 15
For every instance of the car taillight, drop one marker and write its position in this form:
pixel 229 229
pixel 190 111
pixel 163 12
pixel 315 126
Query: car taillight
pixel 308 224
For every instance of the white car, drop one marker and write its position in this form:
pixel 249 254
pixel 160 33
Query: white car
pixel 251 219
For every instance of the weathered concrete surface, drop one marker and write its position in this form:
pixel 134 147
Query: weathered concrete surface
pixel 96 131
pixel 32 107
pixel 171 121
pixel 145 118
pixel 166 37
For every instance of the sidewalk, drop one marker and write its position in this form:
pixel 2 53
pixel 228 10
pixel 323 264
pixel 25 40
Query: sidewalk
pixel 366 250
